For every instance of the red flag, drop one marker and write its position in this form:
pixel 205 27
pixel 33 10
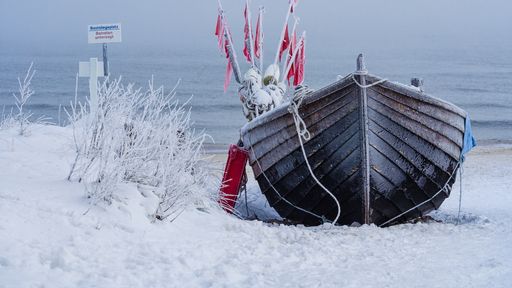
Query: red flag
pixel 246 35
pixel 293 45
pixel 257 41
pixel 300 61
pixel 219 31
pixel 226 44
pixel 285 43
pixel 229 70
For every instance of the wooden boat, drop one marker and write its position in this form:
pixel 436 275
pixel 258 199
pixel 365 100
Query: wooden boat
pixel 388 152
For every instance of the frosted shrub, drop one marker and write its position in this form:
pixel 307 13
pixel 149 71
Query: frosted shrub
pixel 24 93
pixel 7 120
pixel 21 117
pixel 140 137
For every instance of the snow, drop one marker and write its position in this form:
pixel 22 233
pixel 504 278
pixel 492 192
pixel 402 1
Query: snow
pixel 51 237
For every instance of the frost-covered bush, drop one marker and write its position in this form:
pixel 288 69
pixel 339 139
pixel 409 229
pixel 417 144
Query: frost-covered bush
pixel 142 137
pixel 21 117
pixel 24 93
pixel 7 119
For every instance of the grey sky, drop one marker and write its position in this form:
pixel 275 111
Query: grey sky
pixel 44 25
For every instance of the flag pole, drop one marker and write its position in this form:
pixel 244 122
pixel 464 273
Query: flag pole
pixel 230 48
pixel 294 55
pixel 251 40
pixel 293 32
pixel 260 44
pixel 276 60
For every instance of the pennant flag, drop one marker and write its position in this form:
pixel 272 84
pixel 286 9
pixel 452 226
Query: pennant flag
pixel 247 33
pixel 229 68
pixel 285 43
pixel 257 40
pixel 219 30
pixel 229 71
pixel 299 64
pixel 293 45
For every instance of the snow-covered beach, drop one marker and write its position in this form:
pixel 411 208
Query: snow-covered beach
pixel 51 237
pixel 118 169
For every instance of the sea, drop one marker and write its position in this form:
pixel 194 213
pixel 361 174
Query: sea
pixel 478 79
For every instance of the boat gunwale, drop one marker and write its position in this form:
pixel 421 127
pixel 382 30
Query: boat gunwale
pixel 397 87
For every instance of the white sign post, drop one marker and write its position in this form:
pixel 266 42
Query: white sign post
pixel 103 34
pixel 92 69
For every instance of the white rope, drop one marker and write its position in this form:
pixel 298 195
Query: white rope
pixel 428 200
pixel 364 72
pixel 303 133
pixel 275 190
pixel 460 193
pixel 293 108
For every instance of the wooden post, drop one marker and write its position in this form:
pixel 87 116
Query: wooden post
pixel 365 147
pixel 92 69
pixel 93 84
pixel 105 60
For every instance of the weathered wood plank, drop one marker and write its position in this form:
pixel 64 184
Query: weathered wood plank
pixel 439 127
pixel 446 116
pixel 414 127
pixel 276 148
pixel 283 129
pixel 411 92
pixel 282 110
pixel 422 163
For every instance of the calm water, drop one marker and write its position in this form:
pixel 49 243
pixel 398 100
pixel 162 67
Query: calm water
pixel 478 79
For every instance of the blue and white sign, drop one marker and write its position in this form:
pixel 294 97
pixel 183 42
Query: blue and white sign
pixel 104 33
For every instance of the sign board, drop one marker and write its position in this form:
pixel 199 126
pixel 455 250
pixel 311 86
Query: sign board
pixel 84 69
pixel 104 33
pixel 92 69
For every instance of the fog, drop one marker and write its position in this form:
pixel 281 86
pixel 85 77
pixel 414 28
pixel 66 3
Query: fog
pixel 60 26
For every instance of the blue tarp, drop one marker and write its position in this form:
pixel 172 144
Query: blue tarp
pixel 469 140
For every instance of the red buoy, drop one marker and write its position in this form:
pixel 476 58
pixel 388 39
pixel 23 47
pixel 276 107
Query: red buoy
pixel 232 179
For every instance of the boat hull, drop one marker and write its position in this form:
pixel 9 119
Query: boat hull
pixel 396 144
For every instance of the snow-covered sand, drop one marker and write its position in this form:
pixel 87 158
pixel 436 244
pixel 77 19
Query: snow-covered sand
pixel 51 237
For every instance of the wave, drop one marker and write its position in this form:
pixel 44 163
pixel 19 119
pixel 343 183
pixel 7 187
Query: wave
pixel 492 123
pixel 486 105
pixel 216 107
pixel 472 90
